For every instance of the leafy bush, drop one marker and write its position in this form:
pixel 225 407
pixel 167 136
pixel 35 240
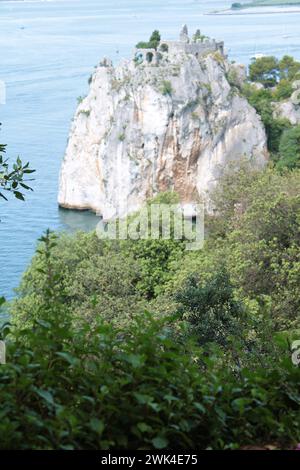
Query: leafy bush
pixel 283 90
pixel 13 179
pixel 264 70
pixel 143 390
pixel 99 387
pixel 261 100
pixel 278 77
pixel 166 88
pixel 155 257
pixel 289 149
pixel 95 287
pixel 269 71
pixel 261 238
pixel 89 367
pixel 254 234
pixel 164 48
pixel 92 287
pixel 153 42
pixel 212 311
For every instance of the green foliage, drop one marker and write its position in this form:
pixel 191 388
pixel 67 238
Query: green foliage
pixel 143 390
pixel 261 100
pixel 271 72
pixel 89 367
pixel 93 287
pixel 212 311
pixel 289 149
pixel 155 39
pixel 257 233
pixel 13 179
pixel 164 48
pixel 275 127
pixel 142 45
pixel 155 257
pixel 153 42
pixel 264 70
pixel 198 36
pixel 254 235
pixel 283 90
pixel 283 73
pixel 289 68
pixel 166 88
pixel 98 387
pixel 273 2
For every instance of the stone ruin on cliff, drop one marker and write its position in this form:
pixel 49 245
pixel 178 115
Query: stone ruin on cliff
pixel 167 51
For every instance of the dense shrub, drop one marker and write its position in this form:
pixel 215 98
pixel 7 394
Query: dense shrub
pixel 166 88
pixel 261 100
pixel 153 42
pixel 91 286
pixel 264 70
pixel 141 390
pixel 211 310
pixel 269 70
pixel 254 234
pixel 100 278
pixel 14 178
pixel 289 149
pixel 88 368
pixel 277 77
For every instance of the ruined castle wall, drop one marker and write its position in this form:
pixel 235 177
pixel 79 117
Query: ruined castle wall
pixel 197 48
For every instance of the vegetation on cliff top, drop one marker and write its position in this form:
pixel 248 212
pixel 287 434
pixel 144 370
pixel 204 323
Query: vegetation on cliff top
pixel 152 43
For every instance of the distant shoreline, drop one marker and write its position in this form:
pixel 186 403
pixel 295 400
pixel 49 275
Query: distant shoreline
pixel 257 11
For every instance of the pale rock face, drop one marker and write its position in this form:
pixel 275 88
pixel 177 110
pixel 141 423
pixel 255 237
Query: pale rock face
pixel 288 110
pixel 147 129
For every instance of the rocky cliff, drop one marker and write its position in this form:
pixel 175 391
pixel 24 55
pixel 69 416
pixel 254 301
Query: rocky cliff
pixel 167 119
pixel 289 109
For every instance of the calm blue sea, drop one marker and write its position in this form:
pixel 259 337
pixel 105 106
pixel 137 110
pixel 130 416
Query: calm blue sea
pixel 47 52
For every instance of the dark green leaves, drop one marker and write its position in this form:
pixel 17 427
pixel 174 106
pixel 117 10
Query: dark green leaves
pixel 13 179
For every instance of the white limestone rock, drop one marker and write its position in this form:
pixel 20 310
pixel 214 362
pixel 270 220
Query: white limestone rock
pixel 145 129
pixel 288 110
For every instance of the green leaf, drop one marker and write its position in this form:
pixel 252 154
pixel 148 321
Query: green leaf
pixel 143 399
pixel 97 425
pixel 160 442
pixel 68 357
pixel 19 195
pixel 47 396
pixel 143 427
pixel 135 360
pixel 200 407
